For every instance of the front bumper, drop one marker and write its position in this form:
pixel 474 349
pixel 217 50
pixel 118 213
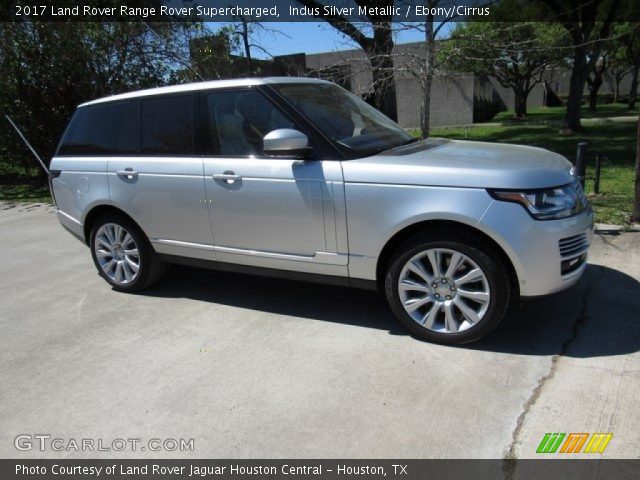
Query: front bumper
pixel 548 256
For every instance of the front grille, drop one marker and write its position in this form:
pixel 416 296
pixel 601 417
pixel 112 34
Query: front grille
pixel 573 246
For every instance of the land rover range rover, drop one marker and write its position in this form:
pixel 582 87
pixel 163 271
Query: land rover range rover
pixel 299 178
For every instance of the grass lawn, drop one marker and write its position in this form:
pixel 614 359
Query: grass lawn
pixel 614 141
pixel 12 173
pixel 555 115
pixel 25 193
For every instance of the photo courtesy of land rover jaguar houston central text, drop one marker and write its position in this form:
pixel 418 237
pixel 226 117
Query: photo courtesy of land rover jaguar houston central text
pixel 298 178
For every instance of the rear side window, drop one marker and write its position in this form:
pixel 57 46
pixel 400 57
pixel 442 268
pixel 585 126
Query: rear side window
pixel 129 138
pixel 93 130
pixel 167 125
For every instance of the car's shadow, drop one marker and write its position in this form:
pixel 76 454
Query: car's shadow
pixel 600 316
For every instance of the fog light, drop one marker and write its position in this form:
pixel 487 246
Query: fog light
pixel 572 264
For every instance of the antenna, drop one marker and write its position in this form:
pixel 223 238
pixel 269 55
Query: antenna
pixel 26 142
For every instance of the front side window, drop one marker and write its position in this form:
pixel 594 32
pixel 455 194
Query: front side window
pixel 344 118
pixel 239 120
pixel 167 125
pixel 93 130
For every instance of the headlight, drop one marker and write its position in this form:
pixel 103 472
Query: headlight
pixel 548 203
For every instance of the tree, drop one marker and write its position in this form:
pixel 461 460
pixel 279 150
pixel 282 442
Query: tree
pixel 618 67
pixel 515 54
pixel 375 37
pixel 49 68
pixel 244 30
pixel 619 55
pixel 211 55
pixel 588 23
pixel 430 34
pixel 595 78
pixel 630 40
pixel 423 65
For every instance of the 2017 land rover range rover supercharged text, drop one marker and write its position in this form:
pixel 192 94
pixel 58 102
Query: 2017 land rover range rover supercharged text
pixel 299 178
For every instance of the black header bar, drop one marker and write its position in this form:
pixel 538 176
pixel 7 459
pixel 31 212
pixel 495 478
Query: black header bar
pixel 577 469
pixel 297 10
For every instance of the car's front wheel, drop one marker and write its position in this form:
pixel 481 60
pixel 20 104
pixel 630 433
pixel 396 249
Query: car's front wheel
pixel 448 286
pixel 122 253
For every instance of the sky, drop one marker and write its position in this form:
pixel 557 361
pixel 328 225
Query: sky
pixel 309 37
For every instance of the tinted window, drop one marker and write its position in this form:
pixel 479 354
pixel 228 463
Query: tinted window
pixel 167 125
pixel 129 138
pixel 238 121
pixel 93 130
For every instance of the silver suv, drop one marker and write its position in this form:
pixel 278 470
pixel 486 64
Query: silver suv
pixel 298 178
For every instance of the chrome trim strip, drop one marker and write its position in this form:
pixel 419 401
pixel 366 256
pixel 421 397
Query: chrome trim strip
pixel 568 243
pixel 326 258
pixel 66 215
pixel 260 253
pixel 574 252
pixel 143 174
pixel 177 243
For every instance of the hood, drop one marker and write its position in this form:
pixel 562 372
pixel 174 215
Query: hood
pixel 460 163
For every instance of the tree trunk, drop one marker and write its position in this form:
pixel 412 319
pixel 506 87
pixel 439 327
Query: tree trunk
pixel 381 57
pixel 425 108
pixel 427 79
pixel 384 88
pixel 247 47
pixel 520 103
pixel 576 88
pixel 594 86
pixel 635 217
pixel 633 90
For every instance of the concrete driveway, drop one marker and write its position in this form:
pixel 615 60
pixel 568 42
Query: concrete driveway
pixel 255 367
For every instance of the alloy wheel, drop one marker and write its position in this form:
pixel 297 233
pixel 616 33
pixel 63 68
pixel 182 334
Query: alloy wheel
pixel 117 253
pixel 444 290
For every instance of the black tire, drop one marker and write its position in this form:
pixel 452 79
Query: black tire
pixel 151 268
pixel 483 253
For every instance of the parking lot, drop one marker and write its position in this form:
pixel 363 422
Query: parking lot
pixel 262 368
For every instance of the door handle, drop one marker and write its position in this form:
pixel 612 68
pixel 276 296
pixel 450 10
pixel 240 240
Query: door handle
pixel 228 177
pixel 127 172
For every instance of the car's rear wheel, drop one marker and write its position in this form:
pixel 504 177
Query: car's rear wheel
pixel 448 286
pixel 122 253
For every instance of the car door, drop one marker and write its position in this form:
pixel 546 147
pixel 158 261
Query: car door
pixel 157 176
pixel 281 213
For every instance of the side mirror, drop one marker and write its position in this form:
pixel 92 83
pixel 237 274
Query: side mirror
pixel 285 142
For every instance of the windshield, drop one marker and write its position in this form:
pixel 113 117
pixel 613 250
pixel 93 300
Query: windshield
pixel 344 118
